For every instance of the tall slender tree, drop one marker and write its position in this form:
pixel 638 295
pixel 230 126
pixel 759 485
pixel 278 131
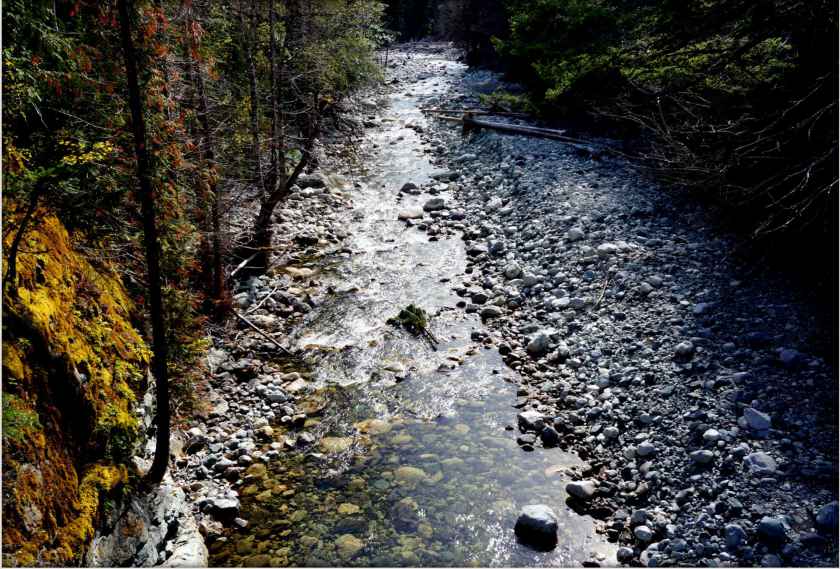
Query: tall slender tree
pixel 150 242
pixel 210 175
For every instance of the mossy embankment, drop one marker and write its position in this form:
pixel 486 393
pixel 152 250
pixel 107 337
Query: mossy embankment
pixel 73 365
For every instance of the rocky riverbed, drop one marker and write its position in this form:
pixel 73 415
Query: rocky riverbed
pixel 601 353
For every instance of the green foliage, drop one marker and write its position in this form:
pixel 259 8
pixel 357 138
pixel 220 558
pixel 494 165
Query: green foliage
pixel 737 98
pixel 17 419
pixel 501 100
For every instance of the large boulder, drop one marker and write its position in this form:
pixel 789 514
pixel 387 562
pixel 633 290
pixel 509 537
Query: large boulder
pixel 537 526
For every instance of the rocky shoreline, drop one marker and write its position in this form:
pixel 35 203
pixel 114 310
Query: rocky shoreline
pixel 675 372
pixel 685 378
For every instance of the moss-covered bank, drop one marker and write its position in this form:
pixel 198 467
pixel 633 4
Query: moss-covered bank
pixel 72 364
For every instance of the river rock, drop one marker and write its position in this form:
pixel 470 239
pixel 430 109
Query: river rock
pixel 575 234
pixel 702 456
pixel 410 474
pixel 582 490
pixel 316 180
pixel 643 533
pixel 539 344
pixel 537 526
pixel 336 445
pixel 624 555
pixel 734 535
pixel 771 530
pixel 490 312
pixel 826 518
pixel 760 463
pixel 756 420
pixel 531 421
pixel 513 271
pixel 347 546
pixel 410 213
pixel 434 204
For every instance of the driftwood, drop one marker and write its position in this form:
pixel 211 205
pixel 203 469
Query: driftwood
pixel 553 134
pixel 478 112
pixel 263 334
pixel 241 265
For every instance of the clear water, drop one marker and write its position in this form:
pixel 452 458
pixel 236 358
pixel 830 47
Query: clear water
pixel 419 471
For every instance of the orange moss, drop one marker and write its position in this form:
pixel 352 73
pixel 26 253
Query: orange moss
pixel 68 332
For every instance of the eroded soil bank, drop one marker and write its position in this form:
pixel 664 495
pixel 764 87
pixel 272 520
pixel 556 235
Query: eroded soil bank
pixel 558 285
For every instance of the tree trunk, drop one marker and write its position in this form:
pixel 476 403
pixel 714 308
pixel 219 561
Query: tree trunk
pixel 152 247
pixel 217 288
pixel 249 38
pixel 11 264
pixel 271 180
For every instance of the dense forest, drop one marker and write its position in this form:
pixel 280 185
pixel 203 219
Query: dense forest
pixel 131 129
pixel 128 128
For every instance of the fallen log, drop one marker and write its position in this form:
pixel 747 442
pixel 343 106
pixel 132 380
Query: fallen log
pixel 479 112
pixel 553 134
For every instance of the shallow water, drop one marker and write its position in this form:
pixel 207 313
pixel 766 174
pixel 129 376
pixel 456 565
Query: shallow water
pixel 416 467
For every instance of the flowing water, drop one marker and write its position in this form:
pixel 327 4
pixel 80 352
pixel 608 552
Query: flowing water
pixel 417 464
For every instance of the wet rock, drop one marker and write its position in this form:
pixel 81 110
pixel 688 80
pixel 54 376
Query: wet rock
pixel 316 180
pixel 410 474
pixel 336 445
pixel 405 515
pixel 348 509
pixel 537 526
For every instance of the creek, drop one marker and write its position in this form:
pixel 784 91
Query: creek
pixel 417 461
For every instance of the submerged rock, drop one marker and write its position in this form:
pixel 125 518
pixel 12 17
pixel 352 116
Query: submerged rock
pixel 347 546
